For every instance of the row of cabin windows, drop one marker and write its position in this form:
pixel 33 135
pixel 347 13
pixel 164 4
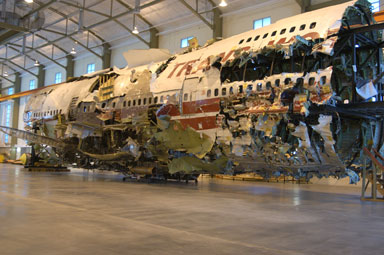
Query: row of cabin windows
pixel 302 27
pixel 259 86
pixel 144 101
pixel 138 102
pixel 47 113
pixel 268 85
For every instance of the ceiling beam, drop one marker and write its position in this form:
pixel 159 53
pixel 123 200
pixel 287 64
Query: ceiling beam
pixel 12 27
pixel 72 20
pixel 112 19
pixel 41 7
pixel 197 14
pixel 5 78
pixel 22 68
pixel 85 47
pixel 154 2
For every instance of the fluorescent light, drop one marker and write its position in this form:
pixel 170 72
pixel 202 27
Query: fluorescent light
pixel 5 74
pixel 73 51
pixel 36 63
pixel 29 1
pixel 135 31
pixel 223 3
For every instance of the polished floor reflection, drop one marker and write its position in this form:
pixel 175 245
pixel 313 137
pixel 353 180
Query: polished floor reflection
pixel 85 212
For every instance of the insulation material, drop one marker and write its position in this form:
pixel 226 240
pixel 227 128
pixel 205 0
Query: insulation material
pixel 301 131
pixel 366 90
pixel 175 137
pixel 324 129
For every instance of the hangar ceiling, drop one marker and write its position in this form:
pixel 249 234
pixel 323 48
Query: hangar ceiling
pixel 46 32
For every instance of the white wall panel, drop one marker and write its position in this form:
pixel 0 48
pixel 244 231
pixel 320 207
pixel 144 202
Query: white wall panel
pixel 50 74
pixel 81 64
pixel 243 21
pixel 171 40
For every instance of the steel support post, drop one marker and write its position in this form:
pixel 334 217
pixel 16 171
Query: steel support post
pixel 70 67
pixel 106 57
pixel 41 76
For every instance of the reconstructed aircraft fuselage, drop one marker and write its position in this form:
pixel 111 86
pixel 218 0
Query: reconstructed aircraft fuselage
pixel 262 101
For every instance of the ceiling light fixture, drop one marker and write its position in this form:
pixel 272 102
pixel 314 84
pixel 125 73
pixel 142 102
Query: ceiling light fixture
pixel 135 30
pixel 36 63
pixel 73 51
pixel 29 1
pixel 5 74
pixel 223 3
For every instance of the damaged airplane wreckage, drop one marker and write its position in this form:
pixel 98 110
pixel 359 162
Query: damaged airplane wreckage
pixel 300 97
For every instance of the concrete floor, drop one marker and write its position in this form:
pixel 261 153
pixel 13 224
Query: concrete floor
pixel 95 213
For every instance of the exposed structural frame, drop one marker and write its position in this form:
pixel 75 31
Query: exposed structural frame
pixel 30 52
pixel 153 43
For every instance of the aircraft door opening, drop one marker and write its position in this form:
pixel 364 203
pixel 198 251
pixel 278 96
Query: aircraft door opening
pixel 189 93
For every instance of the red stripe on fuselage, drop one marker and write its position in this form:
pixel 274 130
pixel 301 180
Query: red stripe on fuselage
pixel 202 106
pixel 200 123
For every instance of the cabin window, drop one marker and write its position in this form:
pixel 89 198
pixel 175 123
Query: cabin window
pixel 259 86
pixel 249 88
pixel 311 81
pixel 241 89
pixel 144 101
pixel 150 100
pixel 161 99
pixel 103 105
pixel 249 39
pixel 323 80
pixel 139 102
pixel 265 35
pixel 302 27
pixel 129 103
pixel 208 93
pixel 268 85
pixel 60 111
pixel 257 37
pixel 292 29
pixel 133 102
pixel 287 81
pixel 216 92
pixel 124 103
pixel 231 90
pixel 283 31
pixel 85 109
pixel 299 81
pixel 186 97
pixel 313 25
pixel 277 82
pixel 273 33
pixel 155 100
pixel 223 91
pixel 241 41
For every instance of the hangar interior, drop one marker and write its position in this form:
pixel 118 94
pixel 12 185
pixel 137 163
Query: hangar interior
pixel 48 42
